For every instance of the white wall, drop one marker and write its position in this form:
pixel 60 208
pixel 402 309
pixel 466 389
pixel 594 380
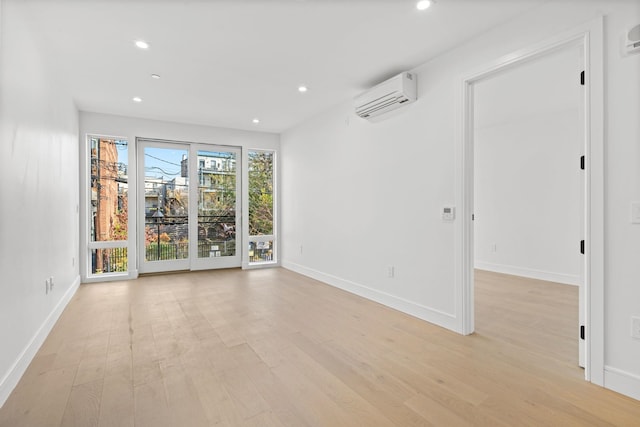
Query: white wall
pixel 528 187
pixel 359 197
pixel 132 128
pixel 39 194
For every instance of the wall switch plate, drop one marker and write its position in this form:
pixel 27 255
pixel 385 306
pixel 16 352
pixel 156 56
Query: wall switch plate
pixel 635 327
pixel 448 213
pixel 635 212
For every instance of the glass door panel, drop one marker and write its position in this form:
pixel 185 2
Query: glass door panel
pixel 216 172
pixel 166 207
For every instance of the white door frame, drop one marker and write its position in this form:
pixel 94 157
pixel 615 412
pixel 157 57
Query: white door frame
pixel 192 263
pixel 590 37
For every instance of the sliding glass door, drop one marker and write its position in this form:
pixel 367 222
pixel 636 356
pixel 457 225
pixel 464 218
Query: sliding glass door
pixel 188 199
pixel 216 214
pixel 163 207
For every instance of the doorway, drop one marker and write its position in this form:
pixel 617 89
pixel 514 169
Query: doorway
pixel 189 199
pixel 589 37
pixel 528 186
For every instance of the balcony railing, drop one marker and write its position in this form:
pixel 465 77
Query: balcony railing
pixel 261 251
pixel 113 260
pixel 172 251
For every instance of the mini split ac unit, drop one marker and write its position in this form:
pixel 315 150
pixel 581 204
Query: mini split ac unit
pixel 387 96
pixel 632 42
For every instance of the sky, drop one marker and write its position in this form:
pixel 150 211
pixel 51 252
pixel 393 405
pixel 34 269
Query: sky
pixel 163 162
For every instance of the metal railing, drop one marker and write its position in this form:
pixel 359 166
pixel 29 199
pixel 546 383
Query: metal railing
pixel 112 260
pixel 260 251
pixel 173 251
pixel 166 251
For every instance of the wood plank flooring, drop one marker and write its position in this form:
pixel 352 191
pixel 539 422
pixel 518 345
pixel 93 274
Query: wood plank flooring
pixel 273 348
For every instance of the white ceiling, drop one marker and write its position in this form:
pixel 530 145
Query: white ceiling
pixel 224 62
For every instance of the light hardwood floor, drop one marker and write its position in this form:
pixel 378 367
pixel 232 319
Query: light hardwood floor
pixel 273 348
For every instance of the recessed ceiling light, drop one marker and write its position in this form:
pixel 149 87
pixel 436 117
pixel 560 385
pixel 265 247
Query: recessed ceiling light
pixel 256 121
pixel 137 99
pixel 142 44
pixel 302 88
pixel 424 4
pixel 155 76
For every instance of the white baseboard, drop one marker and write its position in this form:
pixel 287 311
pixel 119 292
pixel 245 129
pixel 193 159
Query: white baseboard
pixel 248 266
pixel 567 279
pixel 12 377
pixel 431 315
pixel 622 382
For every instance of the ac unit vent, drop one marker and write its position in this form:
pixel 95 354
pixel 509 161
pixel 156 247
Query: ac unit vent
pixel 632 42
pixel 386 96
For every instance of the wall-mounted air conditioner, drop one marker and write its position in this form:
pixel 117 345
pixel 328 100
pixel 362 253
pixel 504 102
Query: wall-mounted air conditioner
pixel 387 96
pixel 632 40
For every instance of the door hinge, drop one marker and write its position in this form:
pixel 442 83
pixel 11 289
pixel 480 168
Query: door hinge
pixel 581 332
pixel 582 78
pixel 582 162
pixel 582 247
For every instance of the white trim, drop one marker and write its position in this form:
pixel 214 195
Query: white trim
pixel 259 265
pixel 245 202
pixel 440 318
pixel 594 275
pixel 111 277
pixel 262 238
pixel 622 382
pixel 12 377
pixel 549 276
pixel 590 36
pixel 109 244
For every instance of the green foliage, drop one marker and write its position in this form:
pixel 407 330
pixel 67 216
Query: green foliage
pixel 260 193
pixel 119 224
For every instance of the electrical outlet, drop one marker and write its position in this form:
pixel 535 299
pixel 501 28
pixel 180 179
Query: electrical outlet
pixel 494 248
pixel 635 212
pixel 50 283
pixel 391 271
pixel 46 286
pixel 635 327
pixel 300 249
